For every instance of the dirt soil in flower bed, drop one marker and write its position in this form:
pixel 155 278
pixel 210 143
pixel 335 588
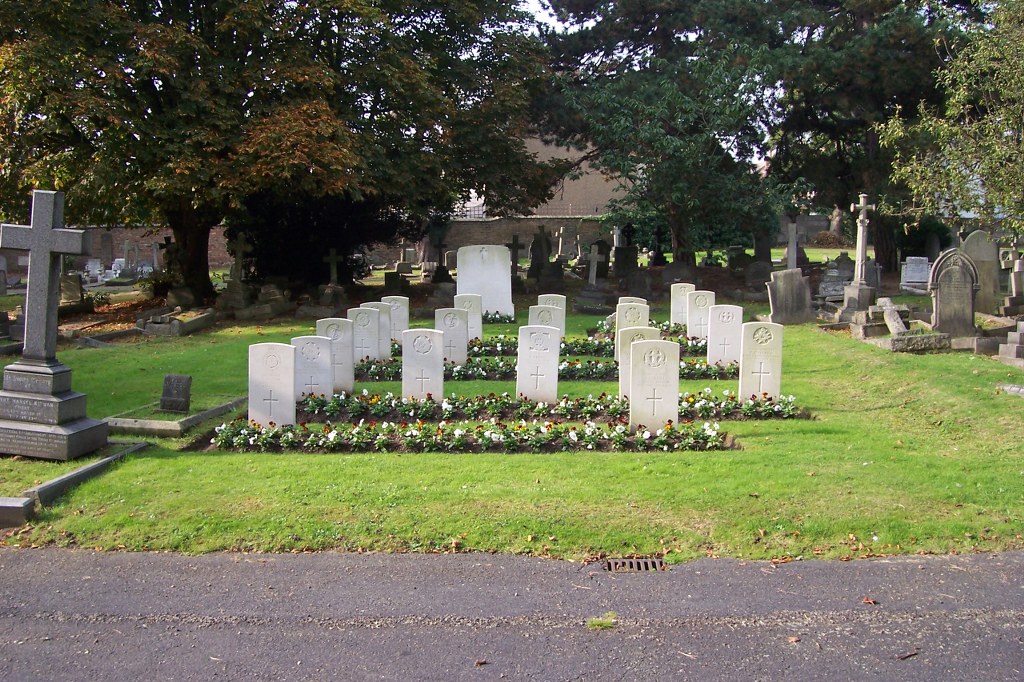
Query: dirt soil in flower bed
pixel 113 317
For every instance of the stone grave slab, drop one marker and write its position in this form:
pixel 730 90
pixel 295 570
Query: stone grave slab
pixel 272 383
pixel 725 334
pixel 423 363
pixel 399 314
pixel 630 315
pixel 698 309
pixel 339 331
pixel 454 322
pixel 537 363
pixel 314 369
pixel 384 328
pixel 678 292
pixel 914 273
pixel 953 284
pixel 789 294
pixel 761 360
pixel 177 393
pixel 625 338
pixel 984 252
pixel 365 333
pixel 487 270
pixel 633 299
pixel 473 305
pixel 548 316
pixel 653 384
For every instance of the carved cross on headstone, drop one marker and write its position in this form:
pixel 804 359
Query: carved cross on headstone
pixel 595 258
pixel 537 376
pixel 761 372
pixel 46 240
pixel 514 248
pixel 423 379
pixel 332 260
pixel 654 400
pixel 239 248
pixel 860 268
pixel 270 400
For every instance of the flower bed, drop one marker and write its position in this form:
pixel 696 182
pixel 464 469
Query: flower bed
pixel 505 368
pixel 502 345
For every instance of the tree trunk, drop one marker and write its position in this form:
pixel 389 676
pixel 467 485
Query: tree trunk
pixel 885 244
pixel 192 236
pixel 682 249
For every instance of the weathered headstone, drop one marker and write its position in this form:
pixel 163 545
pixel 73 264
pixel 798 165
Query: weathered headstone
pixel 537 363
pixel 725 334
pixel 177 393
pixel 624 339
pixel 594 261
pixel 677 313
pixel 454 322
pixel 365 333
pixel 698 309
pixel 789 294
pixel 761 360
pixel 399 314
pixel 423 363
pixel 604 249
pixel 339 331
pixel 272 383
pixel 547 316
pixel 985 255
pixel 487 270
pixel 630 315
pixel 845 266
pixel 71 289
pixel 314 367
pixel 473 305
pixel 384 332
pixel 953 284
pixel 832 284
pixel 654 384
pixel 40 416
pixel 540 253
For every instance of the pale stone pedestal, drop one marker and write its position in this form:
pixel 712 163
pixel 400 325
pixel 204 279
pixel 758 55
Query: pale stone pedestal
pixel 856 297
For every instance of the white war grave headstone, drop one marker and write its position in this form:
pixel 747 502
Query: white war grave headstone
pixel 548 316
pixel 384 327
pixel 454 322
pixel 272 383
pixel 473 305
pixel 653 384
pixel 40 416
pixel 314 371
pixel 558 301
pixel 537 363
pixel 953 284
pixel 624 339
pixel 399 315
pixel 423 363
pixel 678 309
pixel 760 360
pixel 339 331
pixel 630 315
pixel 487 270
pixel 365 333
pixel 725 333
pixel 698 307
pixel 632 299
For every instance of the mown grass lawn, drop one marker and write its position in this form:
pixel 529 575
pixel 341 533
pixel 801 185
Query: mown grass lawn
pixel 903 454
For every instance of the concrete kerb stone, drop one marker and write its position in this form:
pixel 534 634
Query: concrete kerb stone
pixel 168 428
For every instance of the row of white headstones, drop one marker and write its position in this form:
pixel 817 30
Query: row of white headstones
pixel 324 363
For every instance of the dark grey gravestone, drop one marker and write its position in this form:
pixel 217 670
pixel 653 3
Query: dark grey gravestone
pixel 845 266
pixel 790 296
pixel 106 253
pixel 953 284
pixel 177 395
pixel 40 416
pixel 985 254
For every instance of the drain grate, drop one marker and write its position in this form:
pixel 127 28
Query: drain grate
pixel 633 565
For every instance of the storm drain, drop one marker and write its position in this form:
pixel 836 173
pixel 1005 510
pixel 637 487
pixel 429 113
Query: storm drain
pixel 633 565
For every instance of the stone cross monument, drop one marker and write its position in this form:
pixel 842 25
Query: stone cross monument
pixel 40 416
pixel 858 296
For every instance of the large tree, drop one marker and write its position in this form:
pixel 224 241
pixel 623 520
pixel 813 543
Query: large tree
pixel 157 112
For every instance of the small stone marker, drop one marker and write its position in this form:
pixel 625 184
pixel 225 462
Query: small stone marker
pixel 272 383
pixel 339 331
pixel 624 339
pixel 365 333
pixel 698 309
pixel 630 315
pixel 473 305
pixel 537 363
pixel 399 314
pixel 177 394
pixel 725 334
pixel 953 284
pixel 487 270
pixel 314 369
pixel 423 363
pixel 384 327
pixel 678 310
pixel 454 322
pixel 653 384
pixel 761 360
pixel 548 316
pixel 790 296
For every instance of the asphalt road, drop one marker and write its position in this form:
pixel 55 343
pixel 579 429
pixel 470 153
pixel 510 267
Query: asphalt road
pixel 74 615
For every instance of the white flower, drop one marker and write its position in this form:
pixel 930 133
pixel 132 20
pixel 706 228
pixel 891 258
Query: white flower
pixel 647 435
pixel 573 437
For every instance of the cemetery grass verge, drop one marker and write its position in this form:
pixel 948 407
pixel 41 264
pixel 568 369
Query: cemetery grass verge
pixel 904 454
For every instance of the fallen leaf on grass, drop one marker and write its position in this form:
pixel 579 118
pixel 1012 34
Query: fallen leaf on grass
pixel 793 639
pixel 903 657
pixel 868 600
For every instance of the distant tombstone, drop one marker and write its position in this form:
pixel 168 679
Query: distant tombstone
pixel 537 363
pixel 548 316
pixel 272 383
pixel 365 333
pixel 757 273
pixel 698 309
pixel 630 315
pixel 932 246
pixel 487 270
pixel 566 239
pixel 399 314
pixel 985 254
pixel 845 266
pixel 384 331
pixel 653 384
pixel 106 247
pixel 473 305
pixel 514 247
pixel 832 284
pixel 953 284
pixel 451 260
pixel 454 322
pixel 914 273
pixel 677 314
pixel 625 338
pixel 790 297
pixel 558 301
pixel 339 331
pixel 540 253
pixel 725 334
pixel 761 360
pixel 604 249
pixel 71 290
pixel 333 259
pixel 422 363
pixel 177 393
pixel 314 369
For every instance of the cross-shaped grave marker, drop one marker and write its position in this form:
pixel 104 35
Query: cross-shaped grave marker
pixel 332 259
pixel 514 248
pixel 239 247
pixel 860 268
pixel 595 258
